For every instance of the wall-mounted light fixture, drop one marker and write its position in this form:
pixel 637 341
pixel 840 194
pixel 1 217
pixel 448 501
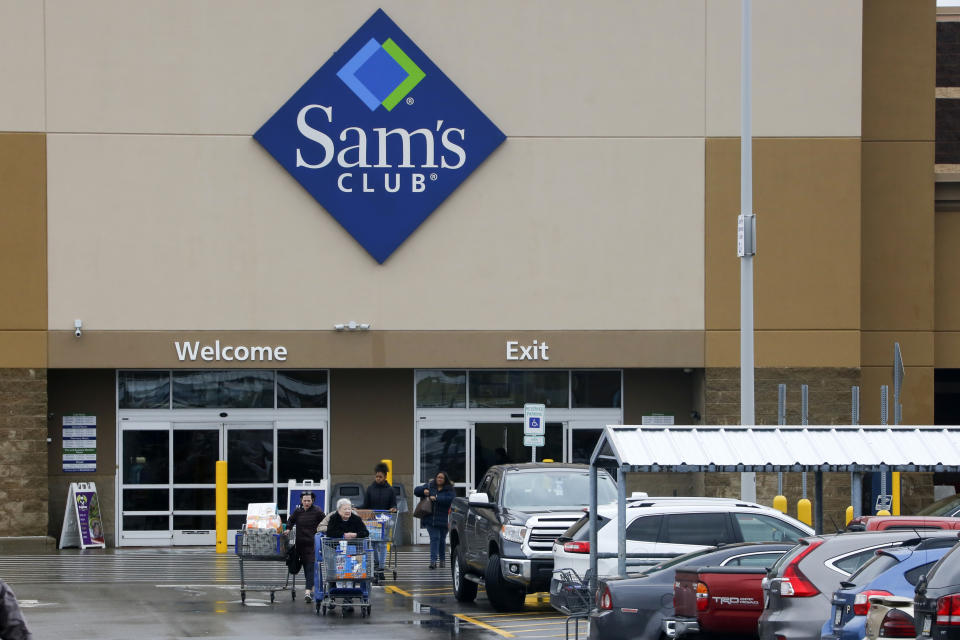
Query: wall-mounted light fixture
pixel 353 325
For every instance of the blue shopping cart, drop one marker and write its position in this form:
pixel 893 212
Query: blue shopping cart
pixel 344 572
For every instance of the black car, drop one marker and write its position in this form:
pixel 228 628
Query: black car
pixel 936 602
pixel 634 607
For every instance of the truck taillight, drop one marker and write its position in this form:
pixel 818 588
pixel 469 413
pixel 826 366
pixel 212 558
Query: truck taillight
pixel 897 624
pixel 576 547
pixel 948 610
pixel 604 599
pixel 794 583
pixel 703 596
pixel 861 602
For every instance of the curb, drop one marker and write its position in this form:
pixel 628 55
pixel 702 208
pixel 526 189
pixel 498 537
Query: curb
pixel 27 544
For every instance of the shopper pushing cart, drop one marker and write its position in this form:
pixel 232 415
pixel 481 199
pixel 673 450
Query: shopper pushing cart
pixel 345 562
pixel 380 497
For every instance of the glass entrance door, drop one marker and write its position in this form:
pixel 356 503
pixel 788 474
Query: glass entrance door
pixel 196 450
pixel 502 443
pixel 444 445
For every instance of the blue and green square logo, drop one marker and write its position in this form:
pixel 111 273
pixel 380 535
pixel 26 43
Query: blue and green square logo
pixel 379 136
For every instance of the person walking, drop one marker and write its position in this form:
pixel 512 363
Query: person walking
pixel 347 525
pixel 12 624
pixel 380 497
pixel 440 492
pixel 306 517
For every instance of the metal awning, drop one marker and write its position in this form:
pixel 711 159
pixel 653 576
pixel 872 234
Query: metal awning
pixel 781 448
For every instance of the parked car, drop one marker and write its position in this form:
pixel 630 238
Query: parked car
pixel 889 617
pixel 502 535
pixel 798 588
pixel 659 528
pixel 936 601
pixel 635 607
pixel 887 523
pixel 716 601
pixel 949 506
pixel 891 572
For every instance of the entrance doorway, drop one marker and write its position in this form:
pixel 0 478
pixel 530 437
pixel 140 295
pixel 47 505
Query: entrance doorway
pixel 167 479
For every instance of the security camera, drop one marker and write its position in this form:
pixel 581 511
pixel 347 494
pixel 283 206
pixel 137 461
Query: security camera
pixel 77 328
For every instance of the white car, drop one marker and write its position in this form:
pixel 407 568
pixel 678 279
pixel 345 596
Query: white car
pixel 661 528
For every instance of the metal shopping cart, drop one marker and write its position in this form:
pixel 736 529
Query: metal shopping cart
pixel 264 546
pixel 571 595
pixel 344 573
pixel 382 526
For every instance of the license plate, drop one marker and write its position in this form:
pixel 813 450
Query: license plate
pixel 927 620
pixel 837 616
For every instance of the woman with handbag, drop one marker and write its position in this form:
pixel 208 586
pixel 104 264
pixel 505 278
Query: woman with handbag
pixel 437 494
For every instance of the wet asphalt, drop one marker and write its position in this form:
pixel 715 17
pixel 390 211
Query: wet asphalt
pixel 195 593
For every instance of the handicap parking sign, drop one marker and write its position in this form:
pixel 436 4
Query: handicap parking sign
pixel 534 423
pixel 533 415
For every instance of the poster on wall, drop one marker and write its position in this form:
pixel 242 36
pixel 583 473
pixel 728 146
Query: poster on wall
pixel 79 443
pixel 82 520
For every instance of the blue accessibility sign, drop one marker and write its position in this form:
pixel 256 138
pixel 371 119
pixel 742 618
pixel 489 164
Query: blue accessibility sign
pixel 379 136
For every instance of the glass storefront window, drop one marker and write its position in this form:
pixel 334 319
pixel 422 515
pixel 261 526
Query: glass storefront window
pixel 146 523
pixel 223 389
pixel 181 523
pixel 505 389
pixel 584 441
pixel 195 499
pixel 443 450
pixel 299 454
pixel 143 389
pixel 146 499
pixel 146 457
pixel 301 389
pixel 240 498
pixel 250 456
pixel 441 389
pixel 596 389
pixel 195 455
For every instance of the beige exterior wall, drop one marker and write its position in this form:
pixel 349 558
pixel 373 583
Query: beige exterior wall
pixel 22 71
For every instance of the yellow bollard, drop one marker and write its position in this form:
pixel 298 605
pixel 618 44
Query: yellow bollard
pixel 883 512
pixel 849 515
pixel 804 512
pixel 221 502
pixel 895 490
pixel 780 503
pixel 389 464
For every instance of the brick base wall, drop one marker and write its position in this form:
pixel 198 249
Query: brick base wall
pixel 23 452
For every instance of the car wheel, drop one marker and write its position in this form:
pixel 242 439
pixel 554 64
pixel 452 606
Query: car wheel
pixel 502 595
pixel 463 589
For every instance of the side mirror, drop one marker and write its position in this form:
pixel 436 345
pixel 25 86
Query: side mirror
pixel 479 500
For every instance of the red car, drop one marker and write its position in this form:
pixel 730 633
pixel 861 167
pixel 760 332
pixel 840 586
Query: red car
pixel 900 523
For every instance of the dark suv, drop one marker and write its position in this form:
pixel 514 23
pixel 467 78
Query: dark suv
pixel 936 602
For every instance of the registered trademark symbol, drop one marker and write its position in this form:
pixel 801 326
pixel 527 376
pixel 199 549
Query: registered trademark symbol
pixel 409 100
pixel 433 176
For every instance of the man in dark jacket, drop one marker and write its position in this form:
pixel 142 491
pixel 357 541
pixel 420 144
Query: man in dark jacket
pixel 307 518
pixel 12 624
pixel 380 497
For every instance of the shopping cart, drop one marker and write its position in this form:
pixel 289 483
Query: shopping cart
pixel 344 573
pixel 382 526
pixel 571 595
pixel 264 546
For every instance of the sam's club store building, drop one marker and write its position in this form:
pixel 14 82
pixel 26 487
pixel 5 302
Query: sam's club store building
pixel 305 236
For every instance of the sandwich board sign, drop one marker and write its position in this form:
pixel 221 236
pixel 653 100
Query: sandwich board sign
pixel 295 490
pixel 82 521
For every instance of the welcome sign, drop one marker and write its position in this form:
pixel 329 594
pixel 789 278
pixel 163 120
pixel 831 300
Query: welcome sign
pixel 379 136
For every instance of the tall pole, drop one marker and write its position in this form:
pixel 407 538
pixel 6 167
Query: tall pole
pixel 746 246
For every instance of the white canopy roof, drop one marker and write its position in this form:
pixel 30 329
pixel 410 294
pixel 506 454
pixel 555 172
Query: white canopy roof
pixel 781 448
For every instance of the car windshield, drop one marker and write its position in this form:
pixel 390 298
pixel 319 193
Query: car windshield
pixel 558 488
pixel 943 507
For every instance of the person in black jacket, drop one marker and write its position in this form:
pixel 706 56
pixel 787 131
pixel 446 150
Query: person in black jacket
pixel 345 523
pixel 307 518
pixel 441 494
pixel 12 624
pixel 380 497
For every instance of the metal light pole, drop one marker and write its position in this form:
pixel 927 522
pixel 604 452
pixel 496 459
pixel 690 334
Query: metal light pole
pixel 746 246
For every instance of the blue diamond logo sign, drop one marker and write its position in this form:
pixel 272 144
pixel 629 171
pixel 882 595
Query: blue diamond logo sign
pixel 379 136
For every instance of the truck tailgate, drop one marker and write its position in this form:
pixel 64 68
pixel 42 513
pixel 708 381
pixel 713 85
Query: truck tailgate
pixel 722 599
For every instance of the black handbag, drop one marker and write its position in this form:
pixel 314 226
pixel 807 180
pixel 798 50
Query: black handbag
pixel 293 561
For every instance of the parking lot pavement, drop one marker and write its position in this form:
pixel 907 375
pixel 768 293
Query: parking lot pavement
pixel 178 593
